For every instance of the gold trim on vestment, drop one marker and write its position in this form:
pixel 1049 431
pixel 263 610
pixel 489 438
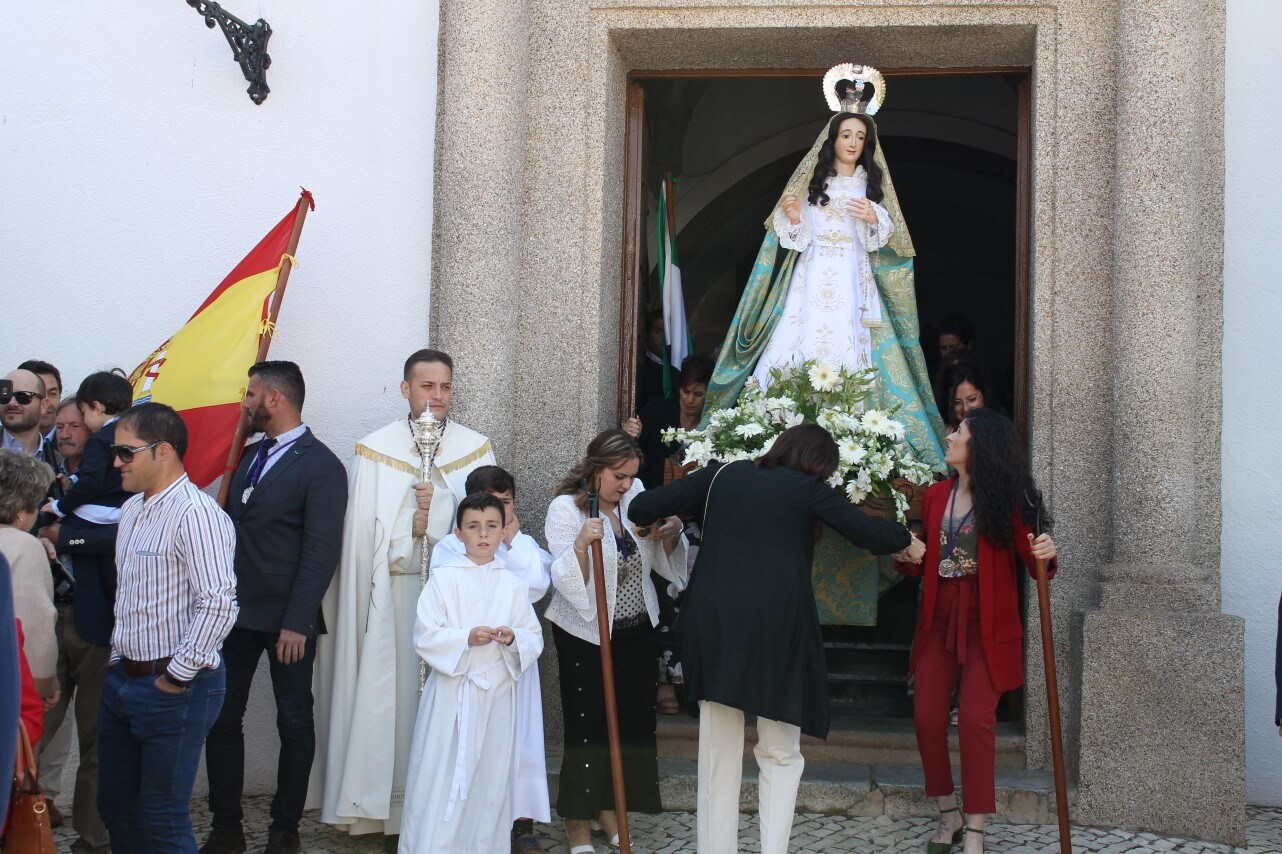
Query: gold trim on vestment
pixel 455 465
pixel 390 462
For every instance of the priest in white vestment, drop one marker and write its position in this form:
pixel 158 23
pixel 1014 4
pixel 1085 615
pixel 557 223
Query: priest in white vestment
pixel 366 670
pixel 478 634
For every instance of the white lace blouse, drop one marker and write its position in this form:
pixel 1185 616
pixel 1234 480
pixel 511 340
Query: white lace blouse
pixel 573 605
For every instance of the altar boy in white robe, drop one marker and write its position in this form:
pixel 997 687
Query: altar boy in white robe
pixel 478 633
pixel 524 558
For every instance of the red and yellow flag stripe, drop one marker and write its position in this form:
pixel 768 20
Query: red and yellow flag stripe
pixel 201 369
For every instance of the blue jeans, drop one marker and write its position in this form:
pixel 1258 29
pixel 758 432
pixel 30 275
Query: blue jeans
pixel 149 745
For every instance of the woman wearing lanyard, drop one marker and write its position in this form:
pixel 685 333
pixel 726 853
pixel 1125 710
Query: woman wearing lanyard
pixel 978 523
pixel 629 554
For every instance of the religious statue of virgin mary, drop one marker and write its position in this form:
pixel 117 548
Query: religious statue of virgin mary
pixel 842 289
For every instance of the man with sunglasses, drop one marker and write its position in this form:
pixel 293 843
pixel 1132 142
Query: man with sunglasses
pixel 22 410
pixel 175 605
pixel 52 378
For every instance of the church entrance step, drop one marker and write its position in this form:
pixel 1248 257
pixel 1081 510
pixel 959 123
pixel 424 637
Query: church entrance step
pixel 856 741
pixel 896 791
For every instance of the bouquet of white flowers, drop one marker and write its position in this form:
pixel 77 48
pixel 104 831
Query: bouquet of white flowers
pixel 870 441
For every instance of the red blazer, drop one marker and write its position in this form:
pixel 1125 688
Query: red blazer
pixel 1001 629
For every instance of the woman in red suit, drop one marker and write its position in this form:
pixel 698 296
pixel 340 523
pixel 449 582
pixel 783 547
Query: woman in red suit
pixel 979 526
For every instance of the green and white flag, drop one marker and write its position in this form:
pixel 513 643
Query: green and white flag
pixel 675 332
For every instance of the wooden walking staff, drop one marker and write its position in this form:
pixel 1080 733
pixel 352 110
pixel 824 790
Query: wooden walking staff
pixel 305 203
pixel 1052 697
pixel 607 680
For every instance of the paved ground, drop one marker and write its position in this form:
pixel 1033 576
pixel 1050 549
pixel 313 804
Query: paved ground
pixel 673 832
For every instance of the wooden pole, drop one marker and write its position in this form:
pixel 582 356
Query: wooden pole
pixel 305 203
pixel 607 680
pixel 1052 703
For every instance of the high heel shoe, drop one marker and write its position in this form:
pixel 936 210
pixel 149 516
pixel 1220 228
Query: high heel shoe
pixel 945 847
pixel 974 830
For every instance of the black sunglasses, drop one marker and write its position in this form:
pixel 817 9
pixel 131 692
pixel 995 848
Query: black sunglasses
pixel 125 454
pixel 23 397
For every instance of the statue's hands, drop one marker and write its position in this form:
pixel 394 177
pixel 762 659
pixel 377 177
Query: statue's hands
pixel 420 523
pixel 862 209
pixel 791 208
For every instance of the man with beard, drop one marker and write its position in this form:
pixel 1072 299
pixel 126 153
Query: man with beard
pixel 21 413
pixel 287 500
pixel 52 378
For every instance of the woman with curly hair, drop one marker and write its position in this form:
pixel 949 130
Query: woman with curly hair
pixel 629 554
pixel 979 525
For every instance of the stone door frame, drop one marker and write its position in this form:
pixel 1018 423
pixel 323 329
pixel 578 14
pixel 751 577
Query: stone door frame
pixel 628 43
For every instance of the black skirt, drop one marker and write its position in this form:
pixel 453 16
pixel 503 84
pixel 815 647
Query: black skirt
pixel 586 787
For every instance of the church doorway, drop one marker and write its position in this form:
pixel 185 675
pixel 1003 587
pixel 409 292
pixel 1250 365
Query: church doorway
pixel 957 143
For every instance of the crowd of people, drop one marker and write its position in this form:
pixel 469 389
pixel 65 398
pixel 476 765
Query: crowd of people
pixel 409 704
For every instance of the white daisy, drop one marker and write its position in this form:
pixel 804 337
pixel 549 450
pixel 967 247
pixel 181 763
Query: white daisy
pixel 824 377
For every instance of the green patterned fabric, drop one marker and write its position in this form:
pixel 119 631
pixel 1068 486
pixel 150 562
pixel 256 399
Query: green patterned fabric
pixel 754 322
pixel 902 379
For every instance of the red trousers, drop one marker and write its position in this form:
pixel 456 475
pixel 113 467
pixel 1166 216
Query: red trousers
pixel 951 651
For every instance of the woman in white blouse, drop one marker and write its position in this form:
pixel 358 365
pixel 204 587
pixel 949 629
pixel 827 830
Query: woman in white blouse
pixel 586 790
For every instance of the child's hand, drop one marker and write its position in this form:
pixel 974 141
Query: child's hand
pixel 504 635
pixel 480 636
pixel 511 529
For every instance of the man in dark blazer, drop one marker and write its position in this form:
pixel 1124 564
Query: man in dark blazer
pixel 287 501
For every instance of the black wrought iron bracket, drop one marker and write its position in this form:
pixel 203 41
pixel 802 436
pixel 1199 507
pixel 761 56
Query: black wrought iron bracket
pixel 248 44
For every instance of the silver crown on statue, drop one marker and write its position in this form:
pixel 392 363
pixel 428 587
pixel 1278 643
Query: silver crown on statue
pixel 851 88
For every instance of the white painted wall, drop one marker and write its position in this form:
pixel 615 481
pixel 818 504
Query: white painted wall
pixel 1252 468
pixel 135 172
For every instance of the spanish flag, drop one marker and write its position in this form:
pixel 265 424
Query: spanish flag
pixel 201 369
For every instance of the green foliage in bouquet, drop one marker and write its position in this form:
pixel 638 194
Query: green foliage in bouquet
pixel 869 441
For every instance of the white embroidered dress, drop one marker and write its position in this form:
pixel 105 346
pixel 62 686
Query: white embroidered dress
pixel 832 301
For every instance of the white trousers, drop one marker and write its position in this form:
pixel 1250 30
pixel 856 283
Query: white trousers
pixel 779 759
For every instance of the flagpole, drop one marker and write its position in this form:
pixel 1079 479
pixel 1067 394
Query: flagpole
pixel 305 203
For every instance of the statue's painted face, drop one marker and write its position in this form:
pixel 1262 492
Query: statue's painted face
pixel 848 147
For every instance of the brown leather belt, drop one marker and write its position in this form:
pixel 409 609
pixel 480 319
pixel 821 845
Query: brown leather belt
pixel 145 668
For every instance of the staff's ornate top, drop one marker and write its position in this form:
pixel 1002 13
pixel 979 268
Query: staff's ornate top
pixel 852 88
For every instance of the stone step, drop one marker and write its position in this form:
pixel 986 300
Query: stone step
pixel 895 791
pixel 858 741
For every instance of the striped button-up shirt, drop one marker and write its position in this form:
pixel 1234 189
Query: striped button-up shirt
pixel 176 590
